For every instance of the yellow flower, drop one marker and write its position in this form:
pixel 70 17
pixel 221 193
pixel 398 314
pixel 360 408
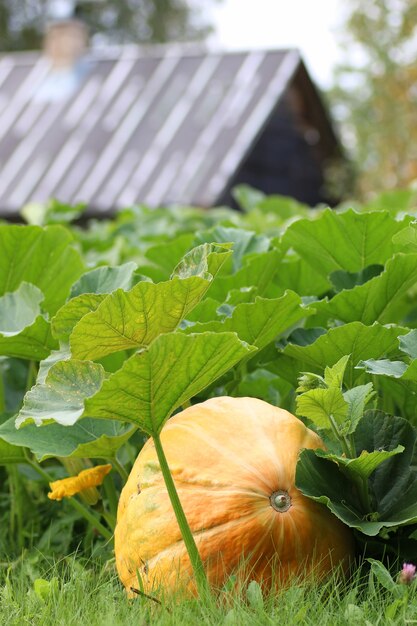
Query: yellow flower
pixel 68 487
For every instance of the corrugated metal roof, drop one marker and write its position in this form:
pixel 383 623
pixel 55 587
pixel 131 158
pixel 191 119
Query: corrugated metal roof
pixel 130 127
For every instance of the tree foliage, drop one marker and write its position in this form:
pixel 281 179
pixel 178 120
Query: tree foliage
pixel 376 93
pixel 22 22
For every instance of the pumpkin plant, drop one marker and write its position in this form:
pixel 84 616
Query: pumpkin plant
pixel 165 370
pixel 367 476
pixel 108 341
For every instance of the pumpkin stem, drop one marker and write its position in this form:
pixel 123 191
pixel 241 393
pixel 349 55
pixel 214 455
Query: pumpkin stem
pixel 187 536
pixel 280 501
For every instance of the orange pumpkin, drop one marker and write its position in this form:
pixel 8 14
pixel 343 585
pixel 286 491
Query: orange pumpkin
pixel 233 462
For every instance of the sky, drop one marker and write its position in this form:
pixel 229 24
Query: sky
pixel 310 25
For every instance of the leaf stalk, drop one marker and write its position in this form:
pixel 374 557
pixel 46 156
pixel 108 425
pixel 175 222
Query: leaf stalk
pixel 188 538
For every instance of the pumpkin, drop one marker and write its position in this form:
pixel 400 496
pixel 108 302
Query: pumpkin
pixel 233 462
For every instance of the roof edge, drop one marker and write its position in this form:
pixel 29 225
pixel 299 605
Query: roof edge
pixel 172 49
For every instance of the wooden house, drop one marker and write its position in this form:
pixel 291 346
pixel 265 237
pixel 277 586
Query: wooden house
pixel 157 125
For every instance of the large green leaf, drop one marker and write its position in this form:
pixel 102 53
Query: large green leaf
pixel 204 260
pixel 41 256
pixel 166 255
pixel 34 342
pixel 244 242
pixel 387 465
pixel 63 354
pixel 247 198
pixel 394 483
pixel 344 241
pixel 397 380
pixel 259 322
pixel 320 480
pixel 105 279
pixel 408 344
pixel 24 331
pixel 19 309
pixel 381 299
pixel 155 382
pixel 205 311
pixel 383 367
pixel 318 404
pixel 348 280
pixel 326 405
pixel 132 319
pixel 61 397
pixel 258 270
pixel 356 339
pixel 357 399
pixel 362 466
pixel 88 292
pixel 72 311
pixel 91 438
pixel 302 277
pixel 406 239
pixel 9 453
pixel 392 369
pixel 333 376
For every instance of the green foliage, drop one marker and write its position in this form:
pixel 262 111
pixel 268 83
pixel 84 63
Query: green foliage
pixel 108 330
pixel 374 96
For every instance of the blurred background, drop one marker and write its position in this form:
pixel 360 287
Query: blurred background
pixel 360 57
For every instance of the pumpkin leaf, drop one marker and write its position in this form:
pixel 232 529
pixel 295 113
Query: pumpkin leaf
pixel 348 280
pixel 88 292
pixel 320 480
pixel 61 397
pixel 166 255
pixel 363 465
pixel 257 270
pixel 39 256
pixel 356 339
pixel 247 198
pixel 408 344
pixel 87 438
pixel 63 354
pixel 132 319
pixel 401 374
pixel 383 367
pixel 153 383
pixel 24 331
pixel 205 311
pixel 204 260
pixel 357 398
pixel 406 238
pixel 387 466
pixel 260 322
pixel 347 241
pixel 33 343
pixel 300 276
pixel 19 309
pixel 104 279
pixel 333 376
pixel 9 453
pixel 244 242
pixel 71 313
pixel 319 405
pixel 381 299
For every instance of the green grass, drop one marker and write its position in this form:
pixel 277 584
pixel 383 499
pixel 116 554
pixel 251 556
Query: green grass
pixel 83 593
